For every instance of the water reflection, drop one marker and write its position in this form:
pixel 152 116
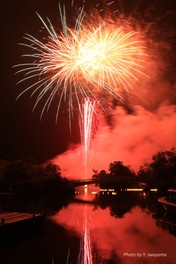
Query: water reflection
pixel 88 253
pixel 168 223
pixel 48 205
pixel 122 228
pixel 101 228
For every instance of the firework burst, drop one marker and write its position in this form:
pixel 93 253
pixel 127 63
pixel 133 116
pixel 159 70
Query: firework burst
pixel 81 62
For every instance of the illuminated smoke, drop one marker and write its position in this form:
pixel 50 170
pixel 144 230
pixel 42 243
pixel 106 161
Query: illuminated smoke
pixel 133 139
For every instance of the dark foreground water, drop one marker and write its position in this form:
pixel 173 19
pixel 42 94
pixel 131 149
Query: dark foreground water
pixel 124 227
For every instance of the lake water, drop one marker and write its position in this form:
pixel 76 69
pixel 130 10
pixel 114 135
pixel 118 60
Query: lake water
pixel 122 228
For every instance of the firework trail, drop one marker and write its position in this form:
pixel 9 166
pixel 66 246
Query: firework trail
pixel 85 61
pixel 86 120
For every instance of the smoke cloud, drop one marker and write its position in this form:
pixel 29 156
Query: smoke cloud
pixel 133 139
pixel 144 123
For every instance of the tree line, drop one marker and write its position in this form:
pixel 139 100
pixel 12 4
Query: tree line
pixel 21 176
pixel 160 172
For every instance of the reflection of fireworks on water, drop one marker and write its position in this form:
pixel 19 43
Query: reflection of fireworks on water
pixel 85 254
pixel 81 62
pixel 88 253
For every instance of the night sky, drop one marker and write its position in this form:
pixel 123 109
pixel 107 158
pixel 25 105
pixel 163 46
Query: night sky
pixel 22 134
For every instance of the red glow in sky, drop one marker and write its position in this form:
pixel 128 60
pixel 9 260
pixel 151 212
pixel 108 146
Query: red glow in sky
pixel 43 140
pixel 133 140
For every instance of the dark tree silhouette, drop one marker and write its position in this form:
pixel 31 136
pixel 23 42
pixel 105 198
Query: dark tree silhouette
pixel 21 177
pixel 162 169
pixel 52 170
pixel 98 176
pixel 117 168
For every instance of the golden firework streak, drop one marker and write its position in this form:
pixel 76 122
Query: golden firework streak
pixel 81 62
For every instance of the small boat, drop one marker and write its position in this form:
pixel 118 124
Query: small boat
pixel 169 201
